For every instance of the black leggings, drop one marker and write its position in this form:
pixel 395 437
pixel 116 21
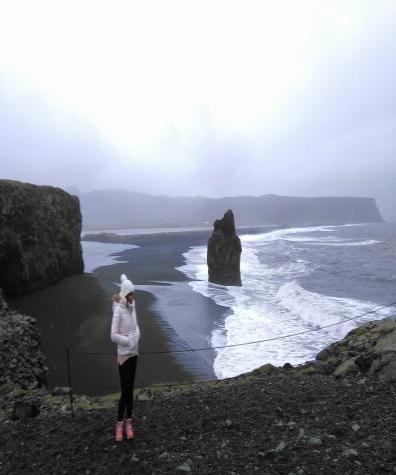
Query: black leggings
pixel 127 373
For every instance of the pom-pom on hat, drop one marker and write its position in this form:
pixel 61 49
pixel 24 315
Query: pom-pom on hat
pixel 126 286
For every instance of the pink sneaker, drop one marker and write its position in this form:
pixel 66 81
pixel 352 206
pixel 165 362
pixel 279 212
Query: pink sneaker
pixel 119 431
pixel 128 427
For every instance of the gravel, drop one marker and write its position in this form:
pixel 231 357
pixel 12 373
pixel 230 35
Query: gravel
pixel 283 422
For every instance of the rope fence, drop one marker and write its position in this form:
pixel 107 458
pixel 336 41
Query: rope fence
pixel 67 353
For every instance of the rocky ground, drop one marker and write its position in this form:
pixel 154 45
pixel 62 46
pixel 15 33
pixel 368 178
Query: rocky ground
pixel 281 422
pixel 324 417
pixel 22 361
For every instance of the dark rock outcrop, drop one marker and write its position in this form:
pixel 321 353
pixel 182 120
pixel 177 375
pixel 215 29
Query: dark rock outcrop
pixel 224 252
pixel 40 229
pixel 22 363
pixel 369 350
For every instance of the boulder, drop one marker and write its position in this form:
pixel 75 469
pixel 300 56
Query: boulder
pixel 24 410
pixel 224 252
pixel 61 391
pixel 346 368
pixel 367 350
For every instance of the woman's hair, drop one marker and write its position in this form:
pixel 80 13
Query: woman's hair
pixel 116 297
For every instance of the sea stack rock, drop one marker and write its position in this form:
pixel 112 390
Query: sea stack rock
pixel 224 252
pixel 40 228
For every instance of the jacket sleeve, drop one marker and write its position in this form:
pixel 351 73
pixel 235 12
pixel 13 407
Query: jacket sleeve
pixel 134 335
pixel 115 325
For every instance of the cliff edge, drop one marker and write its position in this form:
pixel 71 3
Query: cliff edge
pixel 40 229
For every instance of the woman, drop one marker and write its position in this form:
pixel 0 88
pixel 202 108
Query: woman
pixel 125 332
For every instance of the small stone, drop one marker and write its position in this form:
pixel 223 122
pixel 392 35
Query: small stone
pixel 387 444
pixel 145 395
pixel 355 427
pixel 301 433
pixel 280 446
pixel 268 455
pixel 314 441
pixel 186 466
pixel 350 453
pixel 60 391
pixel 163 455
pixel 228 422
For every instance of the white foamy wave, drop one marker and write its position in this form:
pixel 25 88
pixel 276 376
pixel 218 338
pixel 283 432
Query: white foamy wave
pixel 195 266
pixel 282 233
pixel 315 310
pixel 271 304
pixel 345 242
pixel 312 239
pixel 292 311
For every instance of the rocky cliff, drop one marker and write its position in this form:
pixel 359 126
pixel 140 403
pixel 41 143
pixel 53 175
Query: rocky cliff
pixel 224 252
pixel 40 229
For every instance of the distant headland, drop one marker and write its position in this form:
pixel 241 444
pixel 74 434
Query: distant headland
pixel 117 209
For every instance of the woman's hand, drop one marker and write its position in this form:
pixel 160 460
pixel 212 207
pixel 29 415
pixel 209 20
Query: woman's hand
pixel 132 338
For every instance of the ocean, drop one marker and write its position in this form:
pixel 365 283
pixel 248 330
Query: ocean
pixel 298 280
pixel 295 280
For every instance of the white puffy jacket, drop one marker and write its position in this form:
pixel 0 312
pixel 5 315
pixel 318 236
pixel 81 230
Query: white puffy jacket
pixel 124 328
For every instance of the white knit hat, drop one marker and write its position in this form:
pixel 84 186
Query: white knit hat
pixel 126 286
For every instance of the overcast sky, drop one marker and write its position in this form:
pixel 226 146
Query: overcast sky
pixel 201 97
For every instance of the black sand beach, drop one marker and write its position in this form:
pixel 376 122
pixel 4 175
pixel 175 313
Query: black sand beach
pixel 86 307
pixel 77 313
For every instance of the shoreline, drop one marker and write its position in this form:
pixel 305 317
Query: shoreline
pixel 168 309
pixel 153 267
